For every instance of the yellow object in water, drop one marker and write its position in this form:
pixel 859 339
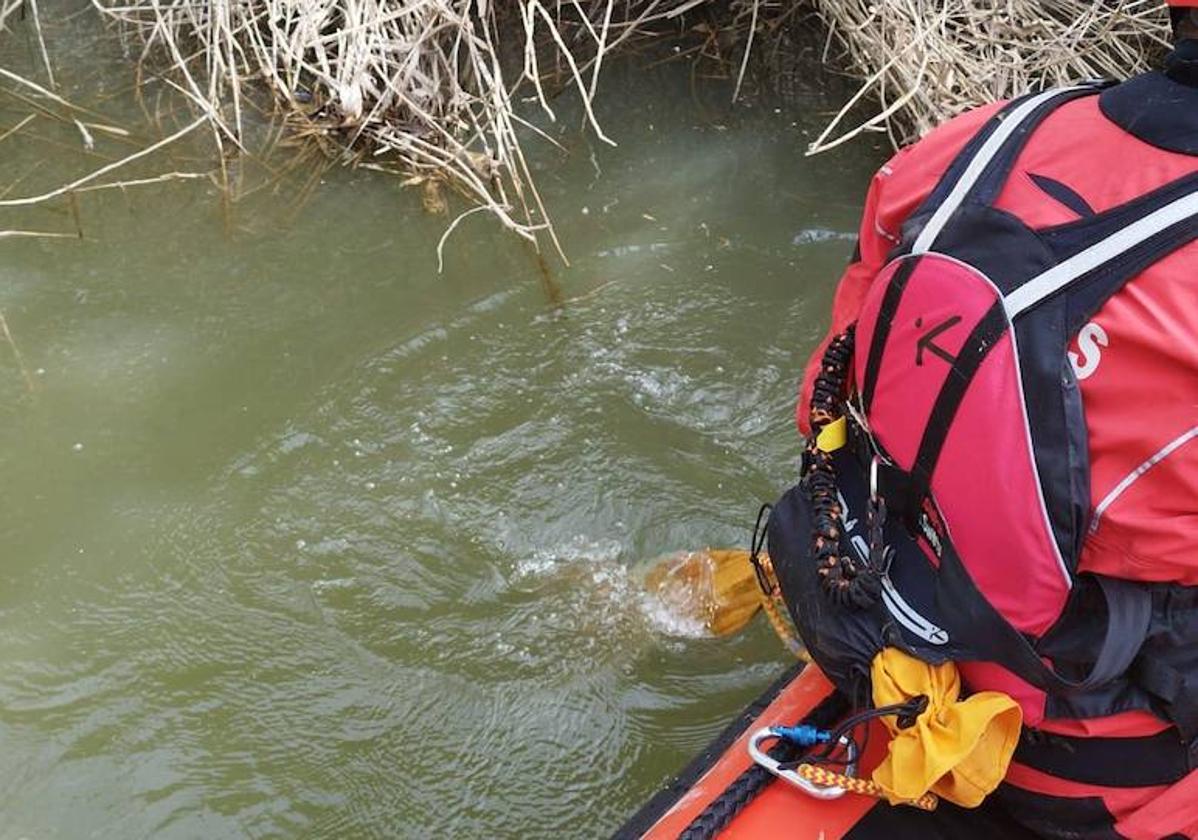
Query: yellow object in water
pixel 716 586
pixel 959 749
pixel 720 588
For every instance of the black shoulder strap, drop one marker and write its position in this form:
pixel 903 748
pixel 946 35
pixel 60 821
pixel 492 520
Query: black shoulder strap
pixel 974 621
pixel 979 172
pixel 1144 231
pixel 1174 689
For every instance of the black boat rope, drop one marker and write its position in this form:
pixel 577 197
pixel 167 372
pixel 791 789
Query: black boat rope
pixel 721 810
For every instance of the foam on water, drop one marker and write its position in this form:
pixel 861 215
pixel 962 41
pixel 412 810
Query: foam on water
pixel 619 589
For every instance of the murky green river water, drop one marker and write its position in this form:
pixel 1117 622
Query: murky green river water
pixel 303 539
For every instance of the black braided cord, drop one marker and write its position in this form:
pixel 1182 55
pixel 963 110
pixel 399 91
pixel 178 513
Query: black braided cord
pixel 721 810
pixel 846 580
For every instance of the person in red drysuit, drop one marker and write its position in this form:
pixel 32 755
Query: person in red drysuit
pixel 1136 362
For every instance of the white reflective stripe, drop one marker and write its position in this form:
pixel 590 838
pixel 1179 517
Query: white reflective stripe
pixel 898 607
pixel 927 236
pixel 907 616
pixel 1131 478
pixel 1103 251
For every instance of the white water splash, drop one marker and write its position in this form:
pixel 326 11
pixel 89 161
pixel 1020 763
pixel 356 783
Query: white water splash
pixel 596 564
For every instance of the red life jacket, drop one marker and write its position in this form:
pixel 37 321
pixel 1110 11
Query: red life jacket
pixel 965 489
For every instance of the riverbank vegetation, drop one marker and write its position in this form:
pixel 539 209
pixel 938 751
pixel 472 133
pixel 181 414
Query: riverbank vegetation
pixel 445 93
pixel 921 63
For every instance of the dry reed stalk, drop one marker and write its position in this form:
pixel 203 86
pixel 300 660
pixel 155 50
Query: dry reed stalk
pixel 103 170
pixel 8 8
pixel 927 61
pixel 141 182
pixel 427 87
pixel 12 186
pixel 36 88
pixel 34 234
pixel 425 84
pixel 16 351
pixel 5 134
pixel 41 40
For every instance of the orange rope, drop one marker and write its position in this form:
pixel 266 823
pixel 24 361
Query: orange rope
pixel 828 778
pixel 772 605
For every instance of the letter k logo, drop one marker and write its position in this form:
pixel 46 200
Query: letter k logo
pixel 927 341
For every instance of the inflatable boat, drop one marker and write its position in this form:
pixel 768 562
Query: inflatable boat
pixel 730 790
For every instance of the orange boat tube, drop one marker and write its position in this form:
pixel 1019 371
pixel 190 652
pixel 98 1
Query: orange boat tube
pixel 779 809
pixel 723 794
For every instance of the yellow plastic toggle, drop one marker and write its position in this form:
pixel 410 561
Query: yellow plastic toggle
pixel 959 749
pixel 833 436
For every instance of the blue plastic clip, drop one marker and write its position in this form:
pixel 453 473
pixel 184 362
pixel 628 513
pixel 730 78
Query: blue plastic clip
pixel 803 735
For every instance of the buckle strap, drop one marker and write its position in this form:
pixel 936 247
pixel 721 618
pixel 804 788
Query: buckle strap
pixel 893 482
pixel 891 299
pixel 1159 759
pixel 1176 691
pixel 979 625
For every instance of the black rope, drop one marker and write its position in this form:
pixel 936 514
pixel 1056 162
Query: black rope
pixel 907 712
pixel 721 811
pixel 848 581
pixel 757 544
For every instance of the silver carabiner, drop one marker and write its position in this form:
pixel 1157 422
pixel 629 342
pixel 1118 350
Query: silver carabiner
pixel 810 788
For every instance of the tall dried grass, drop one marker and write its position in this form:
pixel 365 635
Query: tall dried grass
pixel 429 85
pixel 436 89
pixel 925 61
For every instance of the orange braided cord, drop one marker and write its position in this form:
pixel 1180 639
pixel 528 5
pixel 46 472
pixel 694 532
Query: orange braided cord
pixel 773 605
pixel 828 778
pixel 769 604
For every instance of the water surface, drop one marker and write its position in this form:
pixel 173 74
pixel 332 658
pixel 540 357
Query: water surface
pixel 304 539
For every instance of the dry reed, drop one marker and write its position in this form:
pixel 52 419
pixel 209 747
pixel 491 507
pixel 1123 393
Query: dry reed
pixel 923 61
pixel 436 89
pixel 8 8
pixel 427 85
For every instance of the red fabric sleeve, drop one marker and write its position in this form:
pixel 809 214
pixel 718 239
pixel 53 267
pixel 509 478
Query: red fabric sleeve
pixel 877 236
